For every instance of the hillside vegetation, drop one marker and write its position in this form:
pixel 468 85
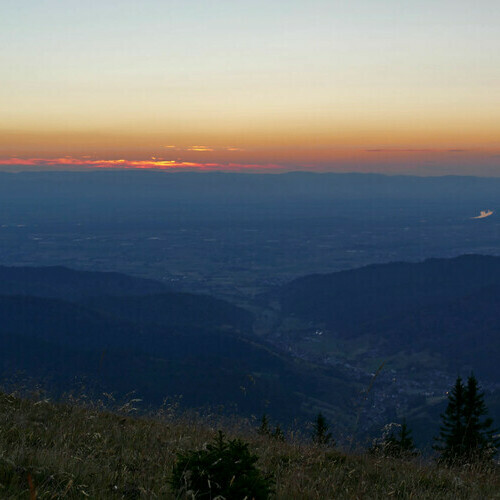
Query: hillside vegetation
pixel 312 345
pixel 424 322
pixel 71 451
pixel 120 334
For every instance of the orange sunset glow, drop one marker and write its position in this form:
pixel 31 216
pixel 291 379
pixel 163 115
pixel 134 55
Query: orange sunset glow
pixel 327 86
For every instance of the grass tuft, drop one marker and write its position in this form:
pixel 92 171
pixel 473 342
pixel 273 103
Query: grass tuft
pixel 74 451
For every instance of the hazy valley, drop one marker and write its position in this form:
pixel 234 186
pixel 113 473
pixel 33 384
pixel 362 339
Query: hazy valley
pixel 224 309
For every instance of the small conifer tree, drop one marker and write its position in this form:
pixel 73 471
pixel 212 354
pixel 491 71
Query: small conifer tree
pixel 450 440
pixel 320 434
pixel 405 439
pixel 278 434
pixel 264 429
pixel 223 469
pixel 479 439
pixel 466 433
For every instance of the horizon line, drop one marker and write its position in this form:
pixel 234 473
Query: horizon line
pixel 193 170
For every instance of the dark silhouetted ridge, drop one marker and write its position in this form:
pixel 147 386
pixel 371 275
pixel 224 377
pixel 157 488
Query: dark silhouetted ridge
pixel 62 282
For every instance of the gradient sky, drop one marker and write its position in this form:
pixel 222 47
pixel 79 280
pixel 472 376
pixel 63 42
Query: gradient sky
pixel 360 85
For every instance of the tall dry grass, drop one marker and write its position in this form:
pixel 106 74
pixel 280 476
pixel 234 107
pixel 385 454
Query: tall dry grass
pixel 74 451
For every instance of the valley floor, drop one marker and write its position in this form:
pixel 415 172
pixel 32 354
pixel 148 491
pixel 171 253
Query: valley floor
pixel 72 451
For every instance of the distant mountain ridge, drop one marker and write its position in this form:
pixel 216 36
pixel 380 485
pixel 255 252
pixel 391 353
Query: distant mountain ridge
pixel 175 309
pixel 465 332
pixel 444 307
pixel 159 343
pixel 62 282
pixel 347 298
pixel 126 185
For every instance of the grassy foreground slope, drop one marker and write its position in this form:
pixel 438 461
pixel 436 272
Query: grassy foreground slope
pixel 73 452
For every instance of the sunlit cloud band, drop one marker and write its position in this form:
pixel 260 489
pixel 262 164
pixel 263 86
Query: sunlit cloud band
pixel 154 163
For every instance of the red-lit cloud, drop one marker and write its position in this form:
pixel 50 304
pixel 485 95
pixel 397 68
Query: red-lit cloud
pixel 386 160
pixel 153 163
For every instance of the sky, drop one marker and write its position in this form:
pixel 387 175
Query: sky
pixel 324 85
